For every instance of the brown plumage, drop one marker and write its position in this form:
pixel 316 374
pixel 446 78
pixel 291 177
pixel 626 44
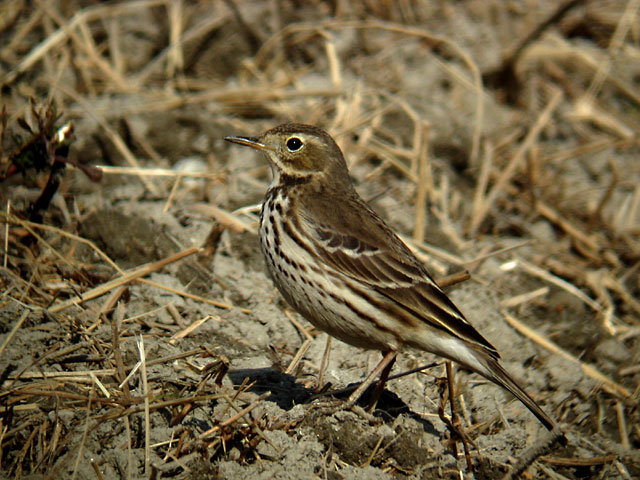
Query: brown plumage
pixel 339 265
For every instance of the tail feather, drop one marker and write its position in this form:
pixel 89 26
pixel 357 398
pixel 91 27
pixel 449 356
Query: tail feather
pixel 497 374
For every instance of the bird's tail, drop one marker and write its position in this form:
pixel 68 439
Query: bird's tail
pixel 497 374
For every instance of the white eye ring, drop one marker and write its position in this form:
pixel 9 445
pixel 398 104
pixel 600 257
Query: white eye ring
pixel 294 144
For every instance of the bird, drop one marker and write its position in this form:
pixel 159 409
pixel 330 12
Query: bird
pixel 338 264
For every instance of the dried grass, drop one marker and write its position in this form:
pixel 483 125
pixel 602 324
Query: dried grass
pixel 596 260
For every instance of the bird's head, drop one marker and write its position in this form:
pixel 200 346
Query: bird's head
pixel 298 151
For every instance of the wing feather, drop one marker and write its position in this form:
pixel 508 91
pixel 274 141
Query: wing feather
pixel 373 255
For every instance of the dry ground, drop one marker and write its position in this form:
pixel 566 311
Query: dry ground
pixel 125 302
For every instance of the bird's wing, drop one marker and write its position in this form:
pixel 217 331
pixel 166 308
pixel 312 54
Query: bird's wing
pixel 354 241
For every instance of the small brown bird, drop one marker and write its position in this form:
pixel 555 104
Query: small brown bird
pixel 341 267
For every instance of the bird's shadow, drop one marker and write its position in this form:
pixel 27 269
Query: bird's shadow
pixel 286 393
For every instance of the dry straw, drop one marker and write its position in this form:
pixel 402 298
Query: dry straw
pixel 299 71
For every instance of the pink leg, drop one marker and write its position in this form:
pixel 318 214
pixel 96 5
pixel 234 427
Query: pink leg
pixel 383 368
pixel 380 385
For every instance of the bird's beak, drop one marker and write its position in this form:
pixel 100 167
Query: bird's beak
pixel 248 142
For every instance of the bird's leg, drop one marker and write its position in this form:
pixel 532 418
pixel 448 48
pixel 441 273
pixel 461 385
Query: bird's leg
pixel 340 391
pixel 455 420
pixel 380 385
pixel 387 360
pixel 323 367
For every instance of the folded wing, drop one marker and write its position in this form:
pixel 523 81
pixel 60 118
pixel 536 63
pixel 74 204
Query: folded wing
pixel 370 253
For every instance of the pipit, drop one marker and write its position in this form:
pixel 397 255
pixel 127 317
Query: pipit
pixel 337 263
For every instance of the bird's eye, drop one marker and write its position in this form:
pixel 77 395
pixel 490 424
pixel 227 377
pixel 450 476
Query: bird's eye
pixel 294 143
